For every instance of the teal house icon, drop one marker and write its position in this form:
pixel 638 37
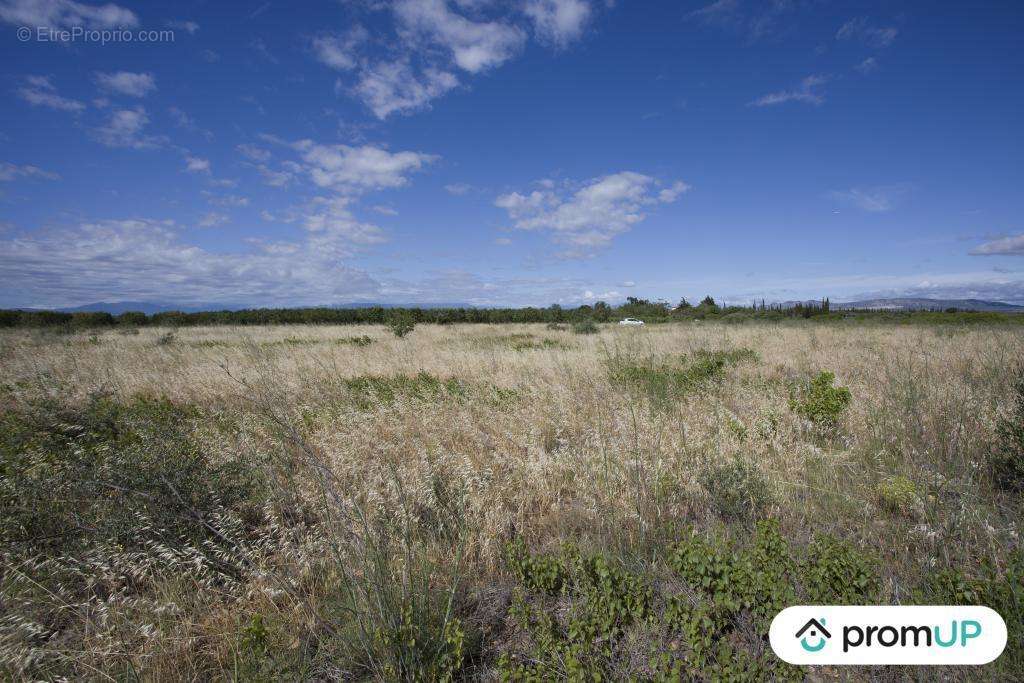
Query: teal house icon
pixel 817 631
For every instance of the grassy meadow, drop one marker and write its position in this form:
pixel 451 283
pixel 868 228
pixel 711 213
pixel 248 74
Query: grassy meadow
pixel 482 502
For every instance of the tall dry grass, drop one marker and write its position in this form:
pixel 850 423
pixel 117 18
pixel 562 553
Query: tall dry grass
pixel 411 463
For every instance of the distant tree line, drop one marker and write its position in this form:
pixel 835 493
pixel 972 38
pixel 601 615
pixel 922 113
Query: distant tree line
pixel 643 309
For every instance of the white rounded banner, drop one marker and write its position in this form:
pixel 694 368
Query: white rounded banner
pixel 860 635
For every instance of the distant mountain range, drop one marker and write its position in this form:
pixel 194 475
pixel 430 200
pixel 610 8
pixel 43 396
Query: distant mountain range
pixel 890 304
pixel 921 304
pixel 151 307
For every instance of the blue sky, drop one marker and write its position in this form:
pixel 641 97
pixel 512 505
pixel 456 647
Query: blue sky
pixel 523 152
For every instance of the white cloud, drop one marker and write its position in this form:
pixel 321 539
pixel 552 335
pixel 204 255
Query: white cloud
pixel 329 221
pixel 1006 246
pixel 275 178
pixel 212 220
pixel 805 93
pixel 147 260
pixel 867 66
pixel 124 128
pixel 873 36
pixel 474 45
pixel 394 87
pixel 9 172
pixel 127 83
pixel 189 26
pixel 339 51
pixel 41 92
pixel 558 21
pixel 226 200
pixel 756 18
pixel 871 199
pixel 65 14
pixel 356 169
pixel 458 188
pixel 197 165
pixel 253 153
pixel 502 241
pixel 385 210
pixel 593 215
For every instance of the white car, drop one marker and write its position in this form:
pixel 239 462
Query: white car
pixel 631 322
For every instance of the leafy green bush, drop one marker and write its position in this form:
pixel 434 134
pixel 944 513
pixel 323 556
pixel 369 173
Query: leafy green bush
pixel 837 573
pixel 75 475
pixel 585 327
pixel 368 391
pixel 663 382
pixel 360 341
pixel 1006 459
pixel 820 402
pixel 401 323
pixel 994 586
pixel 897 495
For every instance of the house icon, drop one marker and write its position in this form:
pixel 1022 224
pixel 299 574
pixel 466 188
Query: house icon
pixel 817 630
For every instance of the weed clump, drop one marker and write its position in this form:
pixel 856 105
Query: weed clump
pixel 664 382
pixel 1006 459
pixel 401 324
pixel 820 402
pixel 738 490
pixel 368 391
pixel 898 495
pixel 585 327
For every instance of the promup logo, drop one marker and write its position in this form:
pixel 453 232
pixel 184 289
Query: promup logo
pixel 817 629
pixel 887 635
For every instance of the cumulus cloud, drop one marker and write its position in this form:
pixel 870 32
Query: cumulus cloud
pixel 435 39
pixel 395 87
pixel 873 36
pixel 197 165
pixel 805 93
pixel 143 259
pixel 9 172
pixel 558 21
pixel 474 45
pixel 125 128
pixel 871 199
pixel 39 91
pixel 351 170
pixel 65 14
pixel 127 83
pixel 591 216
pixel 339 51
pixel 1006 246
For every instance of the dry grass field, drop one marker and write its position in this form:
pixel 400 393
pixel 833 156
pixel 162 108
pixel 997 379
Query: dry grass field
pixel 483 502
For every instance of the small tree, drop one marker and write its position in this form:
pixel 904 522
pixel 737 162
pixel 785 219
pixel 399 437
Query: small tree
pixel 401 323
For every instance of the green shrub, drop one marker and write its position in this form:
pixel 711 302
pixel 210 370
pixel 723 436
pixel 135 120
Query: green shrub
pixel 585 327
pixel 132 319
pixel 75 475
pixel 401 323
pixel 836 572
pixel 1006 458
pixel 360 341
pixel 738 490
pixel 663 382
pixel 368 391
pixel 820 402
pixel 897 495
